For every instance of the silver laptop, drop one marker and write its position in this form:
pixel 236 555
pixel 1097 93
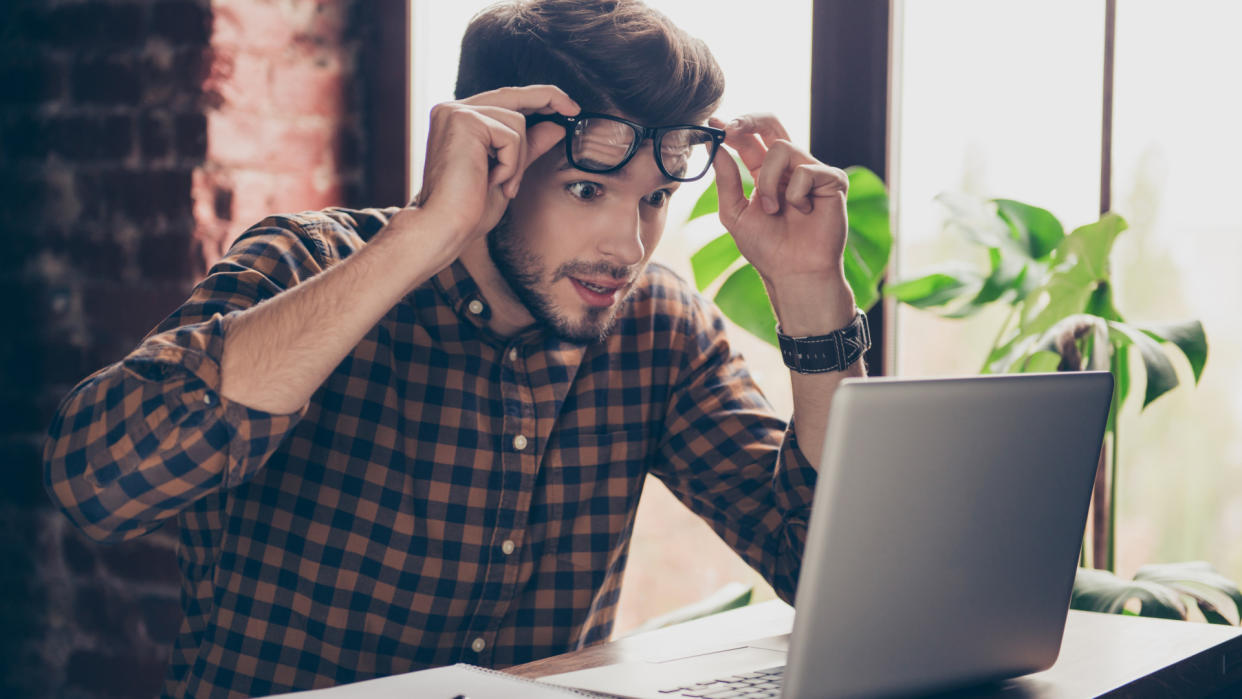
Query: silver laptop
pixel 942 546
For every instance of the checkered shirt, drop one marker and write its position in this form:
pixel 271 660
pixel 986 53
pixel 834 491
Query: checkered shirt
pixel 447 495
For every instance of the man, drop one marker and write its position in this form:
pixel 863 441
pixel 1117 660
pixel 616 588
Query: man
pixel 402 438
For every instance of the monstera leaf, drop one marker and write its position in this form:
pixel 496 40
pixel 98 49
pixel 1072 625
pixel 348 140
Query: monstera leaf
pixel 1168 590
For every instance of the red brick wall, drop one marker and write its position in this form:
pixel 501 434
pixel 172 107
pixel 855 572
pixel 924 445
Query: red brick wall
pixel 284 125
pixel 137 138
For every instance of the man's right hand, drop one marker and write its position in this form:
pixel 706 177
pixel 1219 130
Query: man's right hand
pixel 477 151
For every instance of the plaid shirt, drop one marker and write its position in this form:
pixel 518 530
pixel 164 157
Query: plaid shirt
pixel 447 494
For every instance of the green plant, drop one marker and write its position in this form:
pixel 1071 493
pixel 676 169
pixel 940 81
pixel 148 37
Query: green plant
pixel 1062 316
pixel 741 295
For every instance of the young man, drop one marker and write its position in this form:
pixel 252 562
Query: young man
pixel 408 437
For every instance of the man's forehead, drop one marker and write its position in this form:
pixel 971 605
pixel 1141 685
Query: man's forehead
pixel 626 172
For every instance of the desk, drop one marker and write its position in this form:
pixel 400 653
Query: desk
pixel 1101 654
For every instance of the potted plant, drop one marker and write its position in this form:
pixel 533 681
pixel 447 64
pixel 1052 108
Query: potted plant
pixel 1061 316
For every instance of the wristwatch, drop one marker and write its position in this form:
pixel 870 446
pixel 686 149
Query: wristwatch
pixel 819 354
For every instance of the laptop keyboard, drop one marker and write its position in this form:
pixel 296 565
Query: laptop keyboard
pixel 747 685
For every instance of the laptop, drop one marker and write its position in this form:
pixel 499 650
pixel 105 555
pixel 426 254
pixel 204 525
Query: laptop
pixel 941 550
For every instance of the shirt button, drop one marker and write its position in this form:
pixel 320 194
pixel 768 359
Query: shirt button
pixel 519 442
pixel 508 547
pixel 475 307
pixel 478 645
pixel 207 398
pixel 513 355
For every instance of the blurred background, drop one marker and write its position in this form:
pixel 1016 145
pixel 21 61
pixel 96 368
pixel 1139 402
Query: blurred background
pixel 139 137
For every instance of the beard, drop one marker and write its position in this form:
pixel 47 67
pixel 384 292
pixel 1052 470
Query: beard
pixel 525 274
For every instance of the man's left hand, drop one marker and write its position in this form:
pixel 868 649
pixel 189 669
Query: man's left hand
pixel 793 228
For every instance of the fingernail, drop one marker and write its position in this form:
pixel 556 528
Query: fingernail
pixel 735 124
pixel 768 203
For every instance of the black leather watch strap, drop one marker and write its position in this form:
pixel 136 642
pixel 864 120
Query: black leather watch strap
pixel 818 354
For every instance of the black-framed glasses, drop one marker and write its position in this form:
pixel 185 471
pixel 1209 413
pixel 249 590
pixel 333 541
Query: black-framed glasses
pixel 602 143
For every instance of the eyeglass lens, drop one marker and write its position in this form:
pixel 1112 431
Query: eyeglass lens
pixel 601 144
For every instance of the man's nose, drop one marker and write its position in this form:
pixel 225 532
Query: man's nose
pixel 621 240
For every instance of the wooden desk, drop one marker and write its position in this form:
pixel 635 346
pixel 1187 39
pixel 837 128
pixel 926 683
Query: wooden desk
pixel 1101 655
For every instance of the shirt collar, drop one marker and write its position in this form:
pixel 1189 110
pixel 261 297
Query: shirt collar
pixel 462 294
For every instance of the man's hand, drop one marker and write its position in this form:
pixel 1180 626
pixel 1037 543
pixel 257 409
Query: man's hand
pixel 793 228
pixel 477 151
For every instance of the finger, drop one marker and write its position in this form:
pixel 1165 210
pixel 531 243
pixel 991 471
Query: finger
pixel 504 146
pixel 749 147
pixel 728 188
pixel 515 122
pixel 810 182
pixel 765 125
pixel 539 140
pixel 527 99
pixel 769 184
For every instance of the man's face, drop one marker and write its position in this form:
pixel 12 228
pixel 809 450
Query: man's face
pixel 573 243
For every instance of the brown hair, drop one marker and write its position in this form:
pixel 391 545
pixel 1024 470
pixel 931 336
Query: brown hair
pixel 616 56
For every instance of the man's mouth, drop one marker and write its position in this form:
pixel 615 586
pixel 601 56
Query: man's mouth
pixel 598 292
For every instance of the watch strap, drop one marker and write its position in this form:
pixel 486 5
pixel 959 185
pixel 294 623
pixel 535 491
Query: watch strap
pixel 835 351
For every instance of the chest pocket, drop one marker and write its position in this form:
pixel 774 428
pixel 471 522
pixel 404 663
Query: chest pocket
pixel 592 481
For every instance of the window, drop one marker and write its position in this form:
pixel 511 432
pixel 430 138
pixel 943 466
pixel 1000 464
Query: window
pixel 991 110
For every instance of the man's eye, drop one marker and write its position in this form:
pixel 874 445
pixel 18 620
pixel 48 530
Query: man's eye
pixel 585 190
pixel 659 198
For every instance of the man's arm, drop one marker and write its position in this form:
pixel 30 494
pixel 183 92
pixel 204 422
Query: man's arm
pixel 279 352
pixel 793 231
pixel 203 403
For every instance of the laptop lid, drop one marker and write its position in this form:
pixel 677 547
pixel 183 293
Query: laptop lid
pixel 945 532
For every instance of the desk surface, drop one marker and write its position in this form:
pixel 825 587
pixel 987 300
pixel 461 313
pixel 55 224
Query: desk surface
pixel 1101 654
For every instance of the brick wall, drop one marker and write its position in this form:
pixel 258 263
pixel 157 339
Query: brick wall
pixel 136 140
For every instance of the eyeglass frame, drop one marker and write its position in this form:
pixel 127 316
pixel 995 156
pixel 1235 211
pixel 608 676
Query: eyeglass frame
pixel 643 133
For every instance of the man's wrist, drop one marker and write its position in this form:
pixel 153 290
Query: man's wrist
pixel 806 307
pixel 419 233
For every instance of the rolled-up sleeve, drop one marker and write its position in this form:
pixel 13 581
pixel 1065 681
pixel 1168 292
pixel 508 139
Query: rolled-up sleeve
pixel 140 440
pixel 730 459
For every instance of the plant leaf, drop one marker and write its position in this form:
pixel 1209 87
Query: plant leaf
pixel 1041 361
pixel 1120 366
pixel 1092 244
pixel 708 203
pixel 1080 264
pixel 974 218
pixel 1189 338
pixel 711 260
pixel 1161 378
pixel 934 289
pixel 1101 302
pixel 1006 275
pixel 744 300
pixel 1036 230
pixel 869 243
pixel 1101 591
pixel 859 278
pixel 1218 597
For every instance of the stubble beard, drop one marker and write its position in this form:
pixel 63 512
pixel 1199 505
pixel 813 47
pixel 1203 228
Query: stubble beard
pixel 523 271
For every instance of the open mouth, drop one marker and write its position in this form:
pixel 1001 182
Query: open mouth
pixel 596 294
pixel 596 287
